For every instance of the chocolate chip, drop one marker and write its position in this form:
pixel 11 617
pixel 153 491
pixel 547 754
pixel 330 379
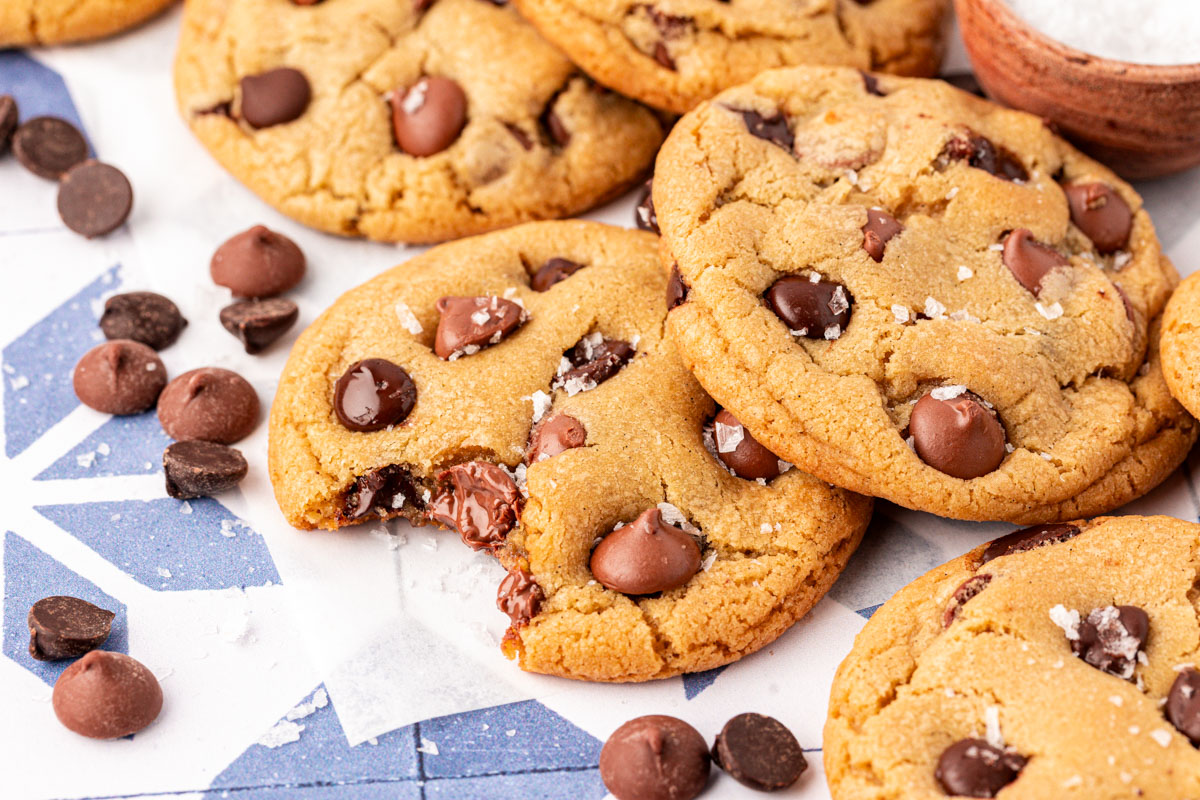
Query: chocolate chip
pixel 481 502
pixel 959 435
pixel 552 124
pixel 9 116
pixel 555 435
pixel 1183 704
pixel 973 768
pixel 813 309
pixel 520 597
pixel 106 695
pixel 740 451
pixel 979 152
pixel 381 491
pixel 195 468
pixel 655 757
pixel 209 403
pixel 144 317
pixel 644 215
pixel 879 230
pixel 1101 213
pixel 469 324
pixel 965 591
pixel 523 138
pixel 257 263
pixel 94 199
pixel 428 116
pixel 553 271
pixel 773 128
pixel 49 146
pixel 119 377
pixel 871 84
pixel 66 627
pixel 760 752
pixel 677 290
pixel 274 97
pixel 1110 638
pixel 593 362
pixel 1029 539
pixel 373 394
pixel 1029 260
pixel 259 323
pixel 663 56
pixel 645 557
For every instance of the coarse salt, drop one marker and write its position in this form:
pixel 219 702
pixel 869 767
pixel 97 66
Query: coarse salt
pixel 1141 31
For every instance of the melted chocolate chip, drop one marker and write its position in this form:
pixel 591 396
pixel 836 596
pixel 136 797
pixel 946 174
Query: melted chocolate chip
pixel 815 310
pixel 965 591
pixel 468 324
pixel 677 290
pixel 879 230
pixel 760 752
pixel 373 394
pixel 259 323
pixel 66 627
pixel 740 451
pixel 428 116
pixel 196 468
pixel 520 597
pixel 644 214
pixel 555 435
pixel 1110 638
pixel 144 317
pixel 655 758
pixel 773 128
pixel 1101 213
pixel 973 768
pixel 481 502
pixel 274 97
pixel 1029 260
pixel 381 491
pixel 1183 704
pixel 593 363
pixel 553 271
pixel 981 153
pixel 106 695
pixel 959 436
pixel 646 556
pixel 1029 539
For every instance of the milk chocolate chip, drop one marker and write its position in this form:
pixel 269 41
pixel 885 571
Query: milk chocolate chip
pixel 1029 539
pixel 428 116
pixel 1101 213
pixel 119 377
pixel 144 317
pixel 555 435
pixel 481 502
pixel 468 324
pixel 196 468
pixel 66 627
pixel 1029 260
pixel 645 557
pixel 49 146
pixel 760 752
pixel 553 271
pixel 1183 704
pixel 106 695
pixel 520 597
pixel 813 309
pixel 274 97
pixel 958 435
pixel 259 323
pixel 740 451
pixel 655 758
pixel 373 394
pixel 1110 638
pixel 257 263
pixel 881 227
pixel 973 768
pixel 209 403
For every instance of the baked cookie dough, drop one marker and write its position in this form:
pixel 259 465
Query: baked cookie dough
pixel 920 296
pixel 402 121
pixel 673 54
pixel 539 417
pixel 1055 662
pixel 1181 344
pixel 36 22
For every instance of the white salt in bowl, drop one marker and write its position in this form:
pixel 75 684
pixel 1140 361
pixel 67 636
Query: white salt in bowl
pixel 1142 120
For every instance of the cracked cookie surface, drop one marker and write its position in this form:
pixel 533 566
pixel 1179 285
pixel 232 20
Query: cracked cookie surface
pixel 1074 658
pixel 673 54
pixel 917 295
pixel 1181 344
pixel 37 22
pixel 634 441
pixel 524 136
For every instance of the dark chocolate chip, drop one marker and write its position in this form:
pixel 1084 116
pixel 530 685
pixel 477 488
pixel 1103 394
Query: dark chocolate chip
pixel 645 557
pixel 760 752
pixel 469 324
pixel 871 84
pixel 677 290
pixel 1183 704
pixel 740 451
pixel 1029 539
pixel 593 362
pixel 49 146
pixel 979 152
pixel 373 394
pixel 555 435
pixel 9 117
pixel 209 403
pixel 644 215
pixel 257 263
pixel 274 97
pixel 973 768
pixel 1101 213
pixel 66 627
pixel 553 125
pixel 813 309
pixel 381 491
pixel 1110 638
pixel 520 597
pixel 663 56
pixel 773 128
pixel 655 758
pixel 428 116
pixel 521 136
pixel 553 271
pixel 879 230
pixel 196 468
pixel 94 199
pixel 259 323
pixel 1029 260
pixel 144 317
pixel 959 436
pixel 106 695
pixel 119 377
pixel 965 591
pixel 480 501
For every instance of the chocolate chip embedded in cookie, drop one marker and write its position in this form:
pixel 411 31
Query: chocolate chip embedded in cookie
pixel 974 768
pixel 646 556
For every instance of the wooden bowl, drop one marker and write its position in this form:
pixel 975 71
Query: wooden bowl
pixel 1141 120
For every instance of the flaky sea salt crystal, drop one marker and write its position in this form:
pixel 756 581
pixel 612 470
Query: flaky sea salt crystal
pixel 86 460
pixel 934 309
pixel 283 733
pixel 673 516
pixel 709 560
pixel 1121 259
pixel 991 718
pixel 1141 31
pixel 163 572
pixel 728 437
pixel 428 747
pixel 1066 619
pixel 838 303
pixel 541 404
pixel 833 332
pixel 1072 782
pixel 948 392
pixel 1162 736
pixel 965 273
pixel 1116 700
pixel 1052 311
pixel 900 313
pixel 950 195
pixel 408 320
pixel 414 98
pixel 185 507
pixel 798 332
pixel 19 382
pixel 997 247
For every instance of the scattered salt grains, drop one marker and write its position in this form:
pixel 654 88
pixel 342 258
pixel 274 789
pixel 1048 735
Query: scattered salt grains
pixel 408 320
pixel 19 382
pixel 839 302
pixel 728 437
pixel 1134 730
pixel 1162 736
pixel 934 309
pixel 900 313
pixel 997 247
pixel 1116 700
pixel 950 195
pixel 480 317
pixel 911 441
pixel 428 747
pixel 965 273
pixel 283 733
pixel 86 460
pixel 163 572
pixel 798 331
pixel 1072 782
pixel 1052 311
pixel 511 732
pixel 415 97
pixel 784 466
pixel 964 316
pixel 709 560
pixel 764 528
pixel 1121 259
pixel 852 176
pixel 948 392
pixel 185 507
pixel 1008 447
pixel 541 404
pixel 673 516
pixel 833 332
pixel 1066 619
pixel 103 449
pixel 1148 32
pixel 991 721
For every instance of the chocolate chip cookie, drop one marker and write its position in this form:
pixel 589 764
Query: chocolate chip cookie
pixel 1181 344
pixel 1058 661
pixel 917 295
pixel 36 22
pixel 402 121
pixel 673 54
pixel 518 388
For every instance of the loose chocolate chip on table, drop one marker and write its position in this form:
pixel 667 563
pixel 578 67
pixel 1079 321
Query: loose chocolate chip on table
pixel 1029 260
pixel 519 596
pixel 259 323
pixel 645 557
pixel 655 757
pixel 373 394
pixel 9 116
pixel 1183 704
pixel 555 435
pixel 677 290
pixel 257 263
pixel 973 768
pixel 981 153
pixel 760 752
pixel 958 435
pixel 49 146
pixel 195 468
pixel 881 227
pixel 813 309
pixel 66 627
pixel 469 324
pixel 144 317
pixel 1028 539
pixel 966 590
pixel 94 199
pixel 1110 638
pixel 209 403
pixel 274 97
pixel 593 362
pixel 106 695
pixel 428 116
pixel 119 377
pixel 773 128
pixel 382 491
pixel 1101 213
pixel 740 451
pixel 481 502
pixel 644 215
pixel 553 271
